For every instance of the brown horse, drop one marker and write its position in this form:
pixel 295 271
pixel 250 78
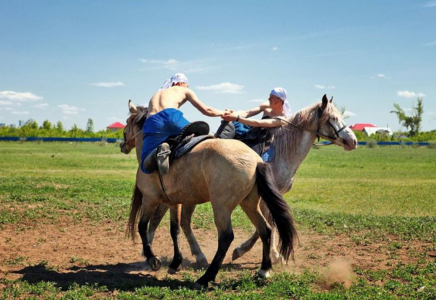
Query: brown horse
pixel 227 173
pixel 292 143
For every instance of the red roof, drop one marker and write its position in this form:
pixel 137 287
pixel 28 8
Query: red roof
pixel 361 126
pixel 116 125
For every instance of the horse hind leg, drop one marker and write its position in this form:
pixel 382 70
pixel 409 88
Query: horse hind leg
pixel 251 208
pixel 175 233
pixel 187 211
pixel 225 237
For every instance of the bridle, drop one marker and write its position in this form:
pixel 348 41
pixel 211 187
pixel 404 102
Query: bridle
pixel 317 131
pixel 134 136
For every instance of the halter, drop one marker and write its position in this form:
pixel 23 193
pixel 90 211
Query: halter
pixel 317 132
pixel 133 138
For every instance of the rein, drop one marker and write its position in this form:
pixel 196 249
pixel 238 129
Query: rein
pixel 317 132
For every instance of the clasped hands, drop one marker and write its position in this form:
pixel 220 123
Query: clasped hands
pixel 229 115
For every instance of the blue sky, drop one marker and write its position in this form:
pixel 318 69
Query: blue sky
pixel 74 60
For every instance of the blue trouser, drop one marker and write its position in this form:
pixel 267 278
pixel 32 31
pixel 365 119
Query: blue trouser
pixel 158 128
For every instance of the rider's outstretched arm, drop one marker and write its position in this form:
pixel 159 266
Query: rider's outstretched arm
pixel 254 111
pixel 203 108
pixel 276 122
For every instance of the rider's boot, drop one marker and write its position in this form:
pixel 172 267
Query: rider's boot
pixel 158 159
pixel 163 158
pixel 226 130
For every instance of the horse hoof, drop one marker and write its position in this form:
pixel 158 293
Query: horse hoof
pixel 276 258
pixel 236 254
pixel 198 286
pixel 172 271
pixel 264 273
pixel 202 261
pixel 155 263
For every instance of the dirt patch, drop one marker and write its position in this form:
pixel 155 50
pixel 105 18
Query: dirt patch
pixel 86 252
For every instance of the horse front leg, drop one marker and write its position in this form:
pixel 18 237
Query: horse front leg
pixel 185 221
pixel 275 255
pixel 175 233
pixel 161 210
pixel 148 209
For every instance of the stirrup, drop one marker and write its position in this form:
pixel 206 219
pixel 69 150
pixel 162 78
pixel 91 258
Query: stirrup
pixel 163 158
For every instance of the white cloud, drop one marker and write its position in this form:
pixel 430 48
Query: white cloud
pixel 194 66
pixel 407 94
pixel 275 48
pixel 17 112
pixel 41 105
pixel 108 84
pixel 225 88
pixel 380 75
pixel 323 87
pixel 258 100
pixel 431 43
pixel 348 114
pixel 430 4
pixel 5 102
pixel 17 96
pixel 114 119
pixel 68 109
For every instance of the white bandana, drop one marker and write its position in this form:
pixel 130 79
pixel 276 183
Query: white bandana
pixel 281 93
pixel 179 77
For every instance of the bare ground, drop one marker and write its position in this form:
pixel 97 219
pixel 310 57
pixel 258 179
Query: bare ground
pixel 100 253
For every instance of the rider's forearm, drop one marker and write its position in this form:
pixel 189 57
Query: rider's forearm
pixel 212 112
pixel 259 123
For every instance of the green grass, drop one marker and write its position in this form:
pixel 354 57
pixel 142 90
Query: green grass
pixel 369 194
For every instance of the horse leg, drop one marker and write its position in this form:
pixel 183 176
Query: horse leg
pixel 225 237
pixel 250 206
pixel 275 255
pixel 246 246
pixel 148 209
pixel 175 233
pixel 160 212
pixel 187 211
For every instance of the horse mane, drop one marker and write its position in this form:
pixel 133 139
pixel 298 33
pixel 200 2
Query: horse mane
pixel 141 115
pixel 287 138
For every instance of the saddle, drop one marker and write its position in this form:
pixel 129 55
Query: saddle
pixel 193 134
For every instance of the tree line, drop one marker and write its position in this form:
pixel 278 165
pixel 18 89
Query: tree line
pixel 47 129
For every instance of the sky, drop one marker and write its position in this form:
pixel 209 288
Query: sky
pixel 70 61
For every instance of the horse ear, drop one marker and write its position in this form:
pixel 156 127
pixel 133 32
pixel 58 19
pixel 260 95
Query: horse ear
pixel 331 100
pixel 132 107
pixel 324 101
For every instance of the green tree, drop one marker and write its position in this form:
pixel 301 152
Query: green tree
pixel 90 126
pixel 413 122
pixel 74 130
pixel 32 124
pixel 60 126
pixel 46 125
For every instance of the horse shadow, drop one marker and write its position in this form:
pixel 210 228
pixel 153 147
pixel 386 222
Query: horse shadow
pixel 121 276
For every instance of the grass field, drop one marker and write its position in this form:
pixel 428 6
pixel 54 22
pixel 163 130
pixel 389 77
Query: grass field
pixel 379 200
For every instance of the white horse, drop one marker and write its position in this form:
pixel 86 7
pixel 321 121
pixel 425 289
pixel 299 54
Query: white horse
pixel 292 144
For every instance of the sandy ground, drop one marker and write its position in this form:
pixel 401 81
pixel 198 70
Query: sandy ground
pixel 101 253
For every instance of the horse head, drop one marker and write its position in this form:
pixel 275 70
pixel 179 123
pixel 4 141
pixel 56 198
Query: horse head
pixel 331 125
pixel 133 127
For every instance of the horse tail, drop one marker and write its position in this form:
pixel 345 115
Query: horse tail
pixel 135 211
pixel 278 207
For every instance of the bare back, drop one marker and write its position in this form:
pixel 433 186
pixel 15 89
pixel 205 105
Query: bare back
pixel 174 97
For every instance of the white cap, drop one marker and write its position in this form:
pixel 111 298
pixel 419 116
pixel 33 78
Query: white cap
pixel 281 93
pixel 176 78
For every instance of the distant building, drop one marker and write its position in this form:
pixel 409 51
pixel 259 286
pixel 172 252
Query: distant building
pixel 2 125
pixel 361 126
pixel 12 126
pixel 375 130
pixel 115 126
pixel 21 123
